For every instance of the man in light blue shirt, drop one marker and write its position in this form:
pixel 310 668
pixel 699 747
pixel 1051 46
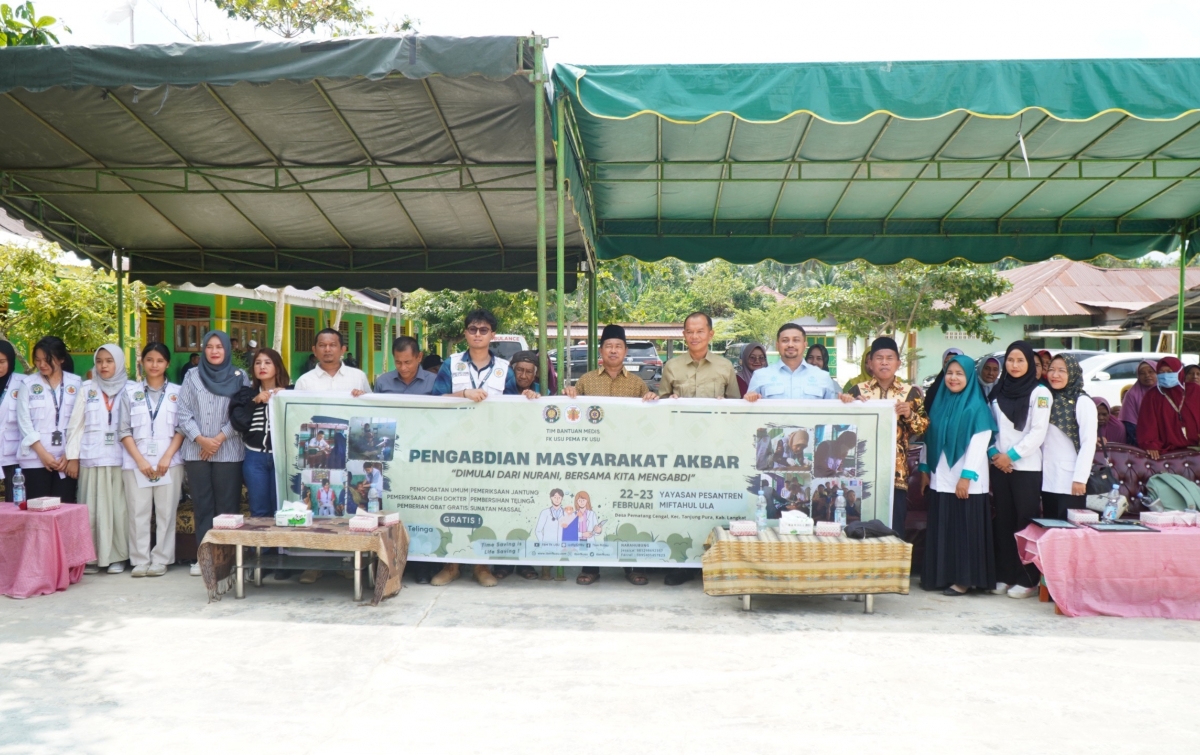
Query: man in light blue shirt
pixel 791 377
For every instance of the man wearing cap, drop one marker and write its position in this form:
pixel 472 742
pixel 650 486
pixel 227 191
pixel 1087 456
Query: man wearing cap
pixel 791 376
pixel 611 379
pixel 884 360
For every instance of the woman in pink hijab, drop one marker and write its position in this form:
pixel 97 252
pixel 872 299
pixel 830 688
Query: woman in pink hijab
pixel 1146 381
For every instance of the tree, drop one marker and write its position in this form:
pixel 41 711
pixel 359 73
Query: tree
pixel 909 296
pixel 758 324
pixel 77 304
pixel 293 18
pixel 443 311
pixel 22 26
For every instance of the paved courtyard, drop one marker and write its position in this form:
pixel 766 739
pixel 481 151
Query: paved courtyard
pixel 117 665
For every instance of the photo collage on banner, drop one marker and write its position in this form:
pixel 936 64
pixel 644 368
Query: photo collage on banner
pixel 805 468
pixel 341 463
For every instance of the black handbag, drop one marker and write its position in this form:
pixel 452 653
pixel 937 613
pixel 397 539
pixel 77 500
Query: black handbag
pixel 1102 479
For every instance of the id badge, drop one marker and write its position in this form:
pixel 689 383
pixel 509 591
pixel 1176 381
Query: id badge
pixel 56 438
pixel 110 439
pixel 152 448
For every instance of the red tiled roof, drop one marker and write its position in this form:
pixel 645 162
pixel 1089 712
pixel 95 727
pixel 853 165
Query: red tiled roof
pixel 1058 288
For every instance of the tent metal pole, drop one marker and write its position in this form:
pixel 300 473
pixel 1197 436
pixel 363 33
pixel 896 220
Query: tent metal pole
pixel 1183 235
pixel 120 302
pixel 593 316
pixel 560 182
pixel 539 134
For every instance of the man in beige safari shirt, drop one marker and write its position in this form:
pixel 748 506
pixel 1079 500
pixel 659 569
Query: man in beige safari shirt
pixel 699 373
pixel 696 374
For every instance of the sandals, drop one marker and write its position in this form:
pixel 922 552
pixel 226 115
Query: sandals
pixel 528 572
pixel 586 578
pixel 637 578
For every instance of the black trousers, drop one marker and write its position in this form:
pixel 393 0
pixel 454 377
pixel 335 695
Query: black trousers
pixel 899 510
pixel 1018 498
pixel 1055 505
pixel 9 471
pixel 42 482
pixel 216 488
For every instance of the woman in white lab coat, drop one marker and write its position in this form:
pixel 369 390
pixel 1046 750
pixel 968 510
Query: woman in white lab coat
pixel 1021 408
pixel 1070 441
pixel 959 550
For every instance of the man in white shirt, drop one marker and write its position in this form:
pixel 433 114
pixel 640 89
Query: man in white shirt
pixel 331 374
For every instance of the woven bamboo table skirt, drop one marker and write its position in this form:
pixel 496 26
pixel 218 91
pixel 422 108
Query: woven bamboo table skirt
pixel 774 564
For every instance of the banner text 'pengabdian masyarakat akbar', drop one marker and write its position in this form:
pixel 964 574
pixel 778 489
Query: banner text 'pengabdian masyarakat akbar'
pixel 597 481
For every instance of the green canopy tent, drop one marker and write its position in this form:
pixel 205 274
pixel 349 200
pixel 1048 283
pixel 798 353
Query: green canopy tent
pixel 386 161
pixel 931 161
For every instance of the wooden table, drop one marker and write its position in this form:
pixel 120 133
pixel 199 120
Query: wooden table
pixel 42 552
pixel 774 564
pixel 222 558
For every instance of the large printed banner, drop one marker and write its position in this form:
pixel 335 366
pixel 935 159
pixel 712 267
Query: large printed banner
pixel 596 481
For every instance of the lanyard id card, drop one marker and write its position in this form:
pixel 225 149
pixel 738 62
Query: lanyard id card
pixel 56 436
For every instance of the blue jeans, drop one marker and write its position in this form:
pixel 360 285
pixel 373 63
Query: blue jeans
pixel 258 471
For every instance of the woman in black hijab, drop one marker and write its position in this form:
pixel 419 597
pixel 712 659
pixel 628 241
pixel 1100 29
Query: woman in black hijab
pixel 10 434
pixel 212 450
pixel 1021 407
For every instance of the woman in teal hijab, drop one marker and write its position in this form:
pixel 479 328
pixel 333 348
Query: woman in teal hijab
pixel 959 555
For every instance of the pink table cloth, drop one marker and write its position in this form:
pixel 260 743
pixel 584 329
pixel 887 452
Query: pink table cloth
pixel 1093 573
pixel 42 552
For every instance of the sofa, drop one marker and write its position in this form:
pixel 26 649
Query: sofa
pixel 1132 468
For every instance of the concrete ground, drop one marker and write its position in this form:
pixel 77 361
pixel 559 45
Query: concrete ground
pixel 117 665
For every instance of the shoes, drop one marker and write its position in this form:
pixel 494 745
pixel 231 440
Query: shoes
pixel 155 570
pixel 1001 589
pixel 116 568
pixel 422 572
pixel 140 570
pixel 195 570
pixel 952 593
pixel 484 576
pixel 679 576
pixel 309 576
pixel 448 574
pixel 91 569
pixel 283 574
pixel 1016 591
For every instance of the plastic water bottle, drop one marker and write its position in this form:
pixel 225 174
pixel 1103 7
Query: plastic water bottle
pixel 18 489
pixel 839 510
pixel 372 505
pixel 1110 507
pixel 760 511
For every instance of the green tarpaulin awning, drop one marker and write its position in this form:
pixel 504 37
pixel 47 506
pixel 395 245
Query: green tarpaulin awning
pixel 885 161
pixel 385 161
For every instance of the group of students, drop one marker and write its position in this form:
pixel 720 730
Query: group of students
pixel 1027 435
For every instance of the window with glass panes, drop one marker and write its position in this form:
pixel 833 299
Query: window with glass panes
pixel 191 323
pixel 246 326
pixel 306 329
pixel 830 344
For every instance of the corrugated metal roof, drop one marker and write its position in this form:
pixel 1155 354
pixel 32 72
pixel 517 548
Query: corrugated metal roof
pixel 1063 288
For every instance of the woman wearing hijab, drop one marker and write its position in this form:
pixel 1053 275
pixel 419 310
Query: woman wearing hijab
pixel 1131 403
pixel 1021 407
pixel 10 433
pixel 95 456
pixel 212 451
pixel 1070 440
pixel 959 549
pixel 753 357
pixel 930 394
pixel 1108 428
pixel 989 373
pixel 1169 419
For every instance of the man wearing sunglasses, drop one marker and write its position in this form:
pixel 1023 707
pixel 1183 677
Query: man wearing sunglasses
pixel 474 374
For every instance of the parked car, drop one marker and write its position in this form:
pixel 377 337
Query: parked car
pixel 642 360
pixel 505 345
pixel 1104 374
